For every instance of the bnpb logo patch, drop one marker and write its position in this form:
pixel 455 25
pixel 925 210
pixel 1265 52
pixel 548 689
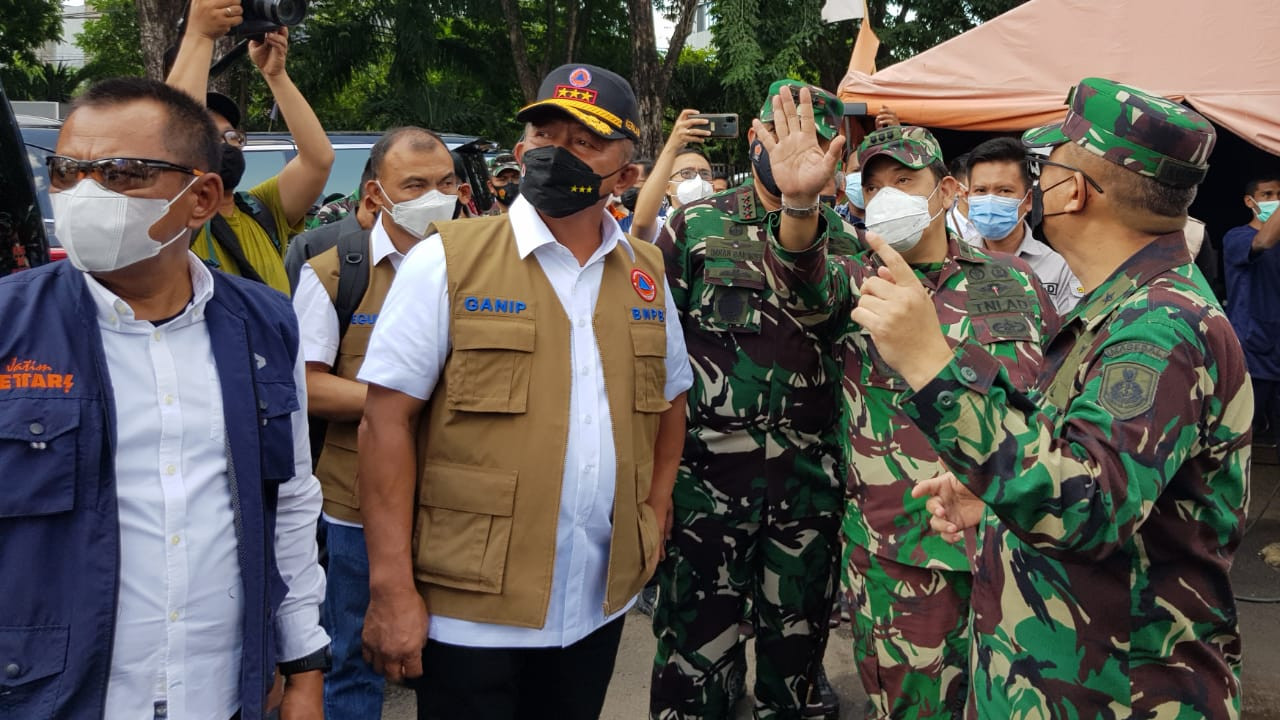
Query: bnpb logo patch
pixel 644 285
pixel 580 77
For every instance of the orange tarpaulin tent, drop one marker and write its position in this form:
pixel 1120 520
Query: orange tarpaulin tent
pixel 1013 72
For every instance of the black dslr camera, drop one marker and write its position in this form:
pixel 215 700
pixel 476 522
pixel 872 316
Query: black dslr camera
pixel 264 16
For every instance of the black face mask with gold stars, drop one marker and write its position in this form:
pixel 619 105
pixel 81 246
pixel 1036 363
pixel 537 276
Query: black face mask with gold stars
pixel 558 184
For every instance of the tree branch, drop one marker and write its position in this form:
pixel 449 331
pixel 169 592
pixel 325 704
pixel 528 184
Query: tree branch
pixel 519 50
pixel 684 24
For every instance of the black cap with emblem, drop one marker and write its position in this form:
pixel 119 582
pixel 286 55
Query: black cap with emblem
pixel 598 98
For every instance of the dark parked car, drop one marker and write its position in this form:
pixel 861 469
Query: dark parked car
pixel 267 153
pixel 41 136
pixel 22 234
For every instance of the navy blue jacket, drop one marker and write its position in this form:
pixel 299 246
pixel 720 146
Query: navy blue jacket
pixel 59 525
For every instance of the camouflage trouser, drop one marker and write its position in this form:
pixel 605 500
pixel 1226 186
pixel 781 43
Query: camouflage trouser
pixel 713 565
pixel 910 636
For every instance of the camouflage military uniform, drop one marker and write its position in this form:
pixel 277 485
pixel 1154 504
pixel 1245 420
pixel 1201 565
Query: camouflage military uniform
pixel 1115 496
pixel 334 211
pixel 910 588
pixel 757 498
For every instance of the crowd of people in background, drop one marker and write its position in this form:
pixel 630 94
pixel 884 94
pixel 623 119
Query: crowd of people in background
pixel 988 411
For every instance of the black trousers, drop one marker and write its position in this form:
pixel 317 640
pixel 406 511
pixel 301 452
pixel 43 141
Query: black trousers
pixel 518 683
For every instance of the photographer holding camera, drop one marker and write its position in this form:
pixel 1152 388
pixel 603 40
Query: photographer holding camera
pixel 250 233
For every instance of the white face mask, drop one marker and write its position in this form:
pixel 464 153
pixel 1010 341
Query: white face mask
pixel 103 230
pixel 899 218
pixel 693 190
pixel 416 215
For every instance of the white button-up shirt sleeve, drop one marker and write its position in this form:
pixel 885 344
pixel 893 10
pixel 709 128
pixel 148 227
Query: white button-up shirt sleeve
pixel 679 372
pixel 411 339
pixel 298 631
pixel 317 319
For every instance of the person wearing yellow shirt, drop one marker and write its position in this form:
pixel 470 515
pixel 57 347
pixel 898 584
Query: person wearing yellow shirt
pixel 250 233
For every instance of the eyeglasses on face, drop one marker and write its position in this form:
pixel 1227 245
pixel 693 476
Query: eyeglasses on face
pixel 690 173
pixel 234 138
pixel 114 174
pixel 1036 163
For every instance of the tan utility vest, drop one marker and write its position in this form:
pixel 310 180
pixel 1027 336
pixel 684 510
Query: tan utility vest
pixel 337 466
pixel 491 446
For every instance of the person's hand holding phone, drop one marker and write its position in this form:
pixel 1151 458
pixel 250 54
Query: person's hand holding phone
pixel 688 130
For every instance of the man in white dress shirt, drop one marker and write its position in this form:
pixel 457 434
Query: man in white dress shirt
pixel 999 202
pixel 414 184
pixel 523 425
pixel 157 516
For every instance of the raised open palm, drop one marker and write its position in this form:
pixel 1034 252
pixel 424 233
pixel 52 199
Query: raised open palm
pixel 801 168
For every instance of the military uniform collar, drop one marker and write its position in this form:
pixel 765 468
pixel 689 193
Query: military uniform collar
pixel 1158 257
pixel 962 251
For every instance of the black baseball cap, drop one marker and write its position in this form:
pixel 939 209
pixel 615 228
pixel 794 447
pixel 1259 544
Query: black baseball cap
pixel 598 98
pixel 224 106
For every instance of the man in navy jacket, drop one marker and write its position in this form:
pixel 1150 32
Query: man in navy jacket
pixel 157 511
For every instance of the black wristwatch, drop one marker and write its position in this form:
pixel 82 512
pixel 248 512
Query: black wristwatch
pixel 321 659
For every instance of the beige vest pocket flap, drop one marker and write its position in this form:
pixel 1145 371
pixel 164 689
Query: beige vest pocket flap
pixel 463 529
pixel 469 489
pixel 493 333
pixel 649 342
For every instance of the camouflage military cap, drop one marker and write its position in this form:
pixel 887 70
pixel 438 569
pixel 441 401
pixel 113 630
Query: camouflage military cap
pixel 828 111
pixel 910 145
pixel 1132 128
pixel 504 161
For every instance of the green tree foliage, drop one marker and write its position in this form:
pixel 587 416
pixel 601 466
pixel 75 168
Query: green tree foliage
pixel 25 25
pixel 456 66
pixel 112 43
pixel 373 64
pixel 758 41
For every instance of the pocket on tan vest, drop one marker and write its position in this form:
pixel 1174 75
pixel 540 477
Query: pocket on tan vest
pixel 463 528
pixel 490 365
pixel 649 342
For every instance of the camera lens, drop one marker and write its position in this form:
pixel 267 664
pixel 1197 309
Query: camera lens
pixel 290 12
pixel 276 12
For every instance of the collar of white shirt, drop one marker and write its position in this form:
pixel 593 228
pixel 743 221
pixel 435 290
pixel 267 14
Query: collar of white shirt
pixel 1030 245
pixel 532 233
pixel 382 245
pixel 115 312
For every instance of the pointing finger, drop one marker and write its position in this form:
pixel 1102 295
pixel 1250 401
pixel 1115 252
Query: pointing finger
pixel 925 488
pixel 902 273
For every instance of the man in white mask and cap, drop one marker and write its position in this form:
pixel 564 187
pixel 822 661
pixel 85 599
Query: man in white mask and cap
pixel 415 184
pixel 157 516
pixel 909 588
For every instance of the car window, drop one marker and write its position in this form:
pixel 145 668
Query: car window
pixel 348 164
pixel 22 240
pixel 261 164
pixel 40 173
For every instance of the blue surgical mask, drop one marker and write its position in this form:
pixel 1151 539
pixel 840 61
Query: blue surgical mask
pixel 853 189
pixel 994 216
pixel 1266 208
